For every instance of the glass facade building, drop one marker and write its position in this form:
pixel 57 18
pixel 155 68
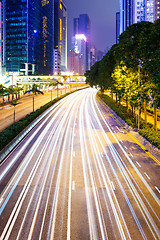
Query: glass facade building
pixel 126 14
pixel 2 37
pixel 82 25
pixel 60 33
pixel 29 34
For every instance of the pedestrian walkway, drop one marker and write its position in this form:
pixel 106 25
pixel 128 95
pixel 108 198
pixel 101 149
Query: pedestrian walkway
pixel 150 117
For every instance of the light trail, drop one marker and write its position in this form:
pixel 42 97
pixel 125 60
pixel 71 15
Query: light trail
pixel 40 200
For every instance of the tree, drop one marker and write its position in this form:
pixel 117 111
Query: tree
pixel 2 91
pixel 14 103
pixel 34 90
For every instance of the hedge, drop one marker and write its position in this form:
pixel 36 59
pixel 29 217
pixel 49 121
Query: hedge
pixel 9 133
pixel 147 132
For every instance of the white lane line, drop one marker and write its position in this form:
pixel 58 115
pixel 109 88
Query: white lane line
pixel 74 154
pixel 117 136
pixel 147 175
pixel 157 189
pixel 119 129
pixel 73 185
pixel 131 154
pixel 1 200
pixel 138 164
pixel 125 147
pixel 121 141
pixel 113 186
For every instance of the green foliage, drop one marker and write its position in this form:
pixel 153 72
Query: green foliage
pixel 121 111
pixel 151 135
pixel 8 134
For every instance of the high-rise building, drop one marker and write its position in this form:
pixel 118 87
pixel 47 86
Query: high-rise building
pixel 134 11
pixel 2 37
pixel 29 35
pixel 157 9
pixel 117 27
pixel 60 32
pixel 150 10
pixel 82 26
pixel 126 14
pixel 74 62
pixel 139 11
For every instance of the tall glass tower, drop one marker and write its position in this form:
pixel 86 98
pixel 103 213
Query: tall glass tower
pixel 82 26
pixel 29 34
pixel 126 14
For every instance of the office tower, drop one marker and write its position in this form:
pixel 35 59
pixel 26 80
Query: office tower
pixel 82 26
pixel 29 35
pixel 74 62
pixel 126 14
pixel 80 48
pixel 93 52
pixel 150 10
pixel 157 9
pixel 60 35
pixel 117 27
pixel 139 11
pixel 2 37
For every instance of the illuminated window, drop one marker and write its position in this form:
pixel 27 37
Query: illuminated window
pixel 60 29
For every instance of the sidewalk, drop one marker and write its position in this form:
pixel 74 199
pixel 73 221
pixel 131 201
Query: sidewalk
pixel 25 107
pixel 150 117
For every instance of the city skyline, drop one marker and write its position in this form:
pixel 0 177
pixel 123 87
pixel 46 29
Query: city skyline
pixel 103 16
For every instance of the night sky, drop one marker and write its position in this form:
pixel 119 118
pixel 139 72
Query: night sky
pixel 102 14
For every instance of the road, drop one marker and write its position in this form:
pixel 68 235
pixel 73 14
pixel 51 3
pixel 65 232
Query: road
pixel 25 106
pixel 79 175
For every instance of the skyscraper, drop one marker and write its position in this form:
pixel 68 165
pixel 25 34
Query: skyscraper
pixel 29 35
pixel 82 26
pixel 117 26
pixel 139 11
pixel 150 10
pixel 60 34
pixel 2 37
pixel 126 14
pixel 157 9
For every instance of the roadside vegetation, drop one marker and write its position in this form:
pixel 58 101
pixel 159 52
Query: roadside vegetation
pixel 131 71
pixel 9 133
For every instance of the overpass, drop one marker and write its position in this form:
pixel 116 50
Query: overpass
pixel 29 80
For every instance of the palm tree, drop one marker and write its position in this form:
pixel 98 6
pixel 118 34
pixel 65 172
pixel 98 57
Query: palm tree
pixel 2 91
pixel 14 103
pixel 56 84
pixel 34 90
pixel 18 90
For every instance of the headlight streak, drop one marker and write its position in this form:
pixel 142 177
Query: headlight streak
pixel 44 180
pixel 29 180
pixel 91 217
pixel 131 162
pixel 28 157
pixel 55 200
pixel 70 180
pixel 136 196
pixel 95 149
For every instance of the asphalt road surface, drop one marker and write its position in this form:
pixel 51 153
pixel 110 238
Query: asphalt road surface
pixel 79 175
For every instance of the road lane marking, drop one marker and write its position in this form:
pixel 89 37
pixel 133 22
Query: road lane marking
pixel 113 186
pixel 74 154
pixel 147 175
pixel 131 154
pixel 119 129
pixel 1 200
pixel 73 185
pixel 149 154
pixel 157 189
pixel 117 136
pixel 138 164
pixel 125 147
